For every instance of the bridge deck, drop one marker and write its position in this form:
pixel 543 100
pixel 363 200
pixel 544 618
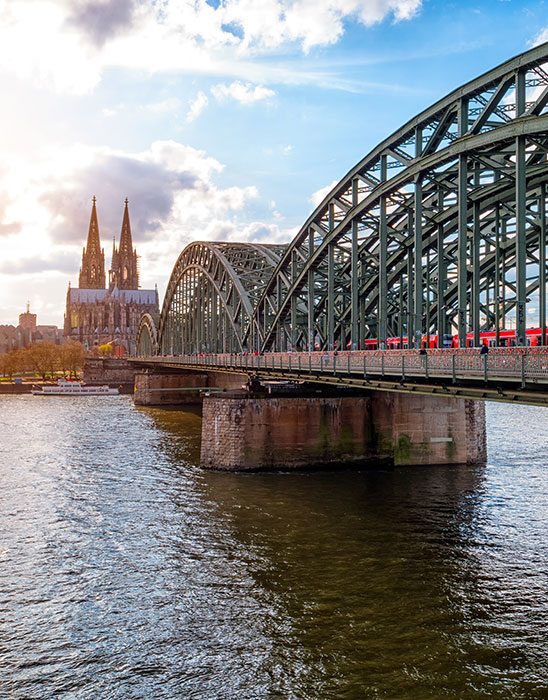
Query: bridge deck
pixel 515 375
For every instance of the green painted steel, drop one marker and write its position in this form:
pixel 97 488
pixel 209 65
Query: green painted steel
pixel 147 336
pixel 440 229
pixel 210 299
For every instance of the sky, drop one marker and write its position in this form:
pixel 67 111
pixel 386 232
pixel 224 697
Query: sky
pixel 218 119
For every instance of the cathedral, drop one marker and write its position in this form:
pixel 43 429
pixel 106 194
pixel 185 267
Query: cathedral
pixel 97 314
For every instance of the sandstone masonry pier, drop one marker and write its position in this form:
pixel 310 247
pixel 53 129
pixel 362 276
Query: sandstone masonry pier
pixel 253 434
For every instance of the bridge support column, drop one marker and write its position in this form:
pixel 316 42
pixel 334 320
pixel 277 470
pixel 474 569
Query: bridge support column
pixel 153 389
pixel 418 429
pixel 252 434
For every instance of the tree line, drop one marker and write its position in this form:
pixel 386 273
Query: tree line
pixel 43 359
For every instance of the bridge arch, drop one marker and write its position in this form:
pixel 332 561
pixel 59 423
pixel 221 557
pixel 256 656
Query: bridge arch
pixel 147 335
pixel 211 296
pixel 441 228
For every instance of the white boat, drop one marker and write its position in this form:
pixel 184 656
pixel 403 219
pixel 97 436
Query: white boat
pixel 66 388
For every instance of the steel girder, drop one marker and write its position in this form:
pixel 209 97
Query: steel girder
pixel 147 335
pixel 211 295
pixel 441 228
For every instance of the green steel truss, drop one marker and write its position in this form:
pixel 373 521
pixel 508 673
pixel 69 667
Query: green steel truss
pixel 440 229
pixel 211 296
pixel 147 335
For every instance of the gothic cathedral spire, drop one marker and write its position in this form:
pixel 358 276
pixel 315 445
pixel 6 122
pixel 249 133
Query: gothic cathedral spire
pixel 92 272
pixel 124 272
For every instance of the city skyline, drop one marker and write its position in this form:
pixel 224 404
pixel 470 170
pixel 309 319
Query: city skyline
pixel 218 122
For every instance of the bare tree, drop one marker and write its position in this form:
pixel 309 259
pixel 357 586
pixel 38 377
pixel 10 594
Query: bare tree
pixel 42 358
pixel 74 357
pixel 10 363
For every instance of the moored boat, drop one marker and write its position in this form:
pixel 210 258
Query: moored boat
pixel 67 388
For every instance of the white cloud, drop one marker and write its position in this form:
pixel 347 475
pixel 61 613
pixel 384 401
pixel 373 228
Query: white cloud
pixel 113 111
pixel 256 231
pixel 310 22
pixel 317 197
pixel 34 42
pixel 67 44
pixel 173 199
pixel 197 106
pixel 241 92
pixel 8 225
pixel 541 37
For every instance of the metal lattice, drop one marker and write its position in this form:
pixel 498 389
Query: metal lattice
pixel 211 295
pixel 440 229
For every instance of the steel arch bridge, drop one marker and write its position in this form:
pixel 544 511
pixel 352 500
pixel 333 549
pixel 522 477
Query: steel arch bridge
pixel 439 229
pixel 210 298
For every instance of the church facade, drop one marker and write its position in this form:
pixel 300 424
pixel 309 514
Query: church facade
pixel 97 314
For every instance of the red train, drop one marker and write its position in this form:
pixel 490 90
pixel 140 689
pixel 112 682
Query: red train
pixel 507 339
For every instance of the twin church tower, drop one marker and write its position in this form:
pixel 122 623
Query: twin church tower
pixel 124 270
pixel 97 314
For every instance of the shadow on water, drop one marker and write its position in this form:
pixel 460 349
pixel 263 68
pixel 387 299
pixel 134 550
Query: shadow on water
pixel 382 583
pixel 130 574
pixel 181 431
pixel 359 564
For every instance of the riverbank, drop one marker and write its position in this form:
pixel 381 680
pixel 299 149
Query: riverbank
pixel 25 387
pixel 12 388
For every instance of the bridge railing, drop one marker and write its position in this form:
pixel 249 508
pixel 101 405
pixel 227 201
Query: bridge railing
pixel 525 364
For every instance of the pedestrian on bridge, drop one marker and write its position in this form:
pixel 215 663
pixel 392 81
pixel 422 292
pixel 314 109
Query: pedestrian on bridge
pixel 423 357
pixel 483 352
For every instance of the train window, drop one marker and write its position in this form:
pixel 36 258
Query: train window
pixel 405 346
pixel 491 342
pixel 528 340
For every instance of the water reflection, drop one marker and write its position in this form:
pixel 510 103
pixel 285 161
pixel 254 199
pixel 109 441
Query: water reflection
pixel 131 573
pixel 359 564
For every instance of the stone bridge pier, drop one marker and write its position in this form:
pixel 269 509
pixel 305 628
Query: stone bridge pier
pixel 247 428
pixel 154 388
pixel 279 433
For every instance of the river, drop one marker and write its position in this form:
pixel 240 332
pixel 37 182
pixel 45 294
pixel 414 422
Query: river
pixel 126 572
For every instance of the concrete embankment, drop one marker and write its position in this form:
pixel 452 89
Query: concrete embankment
pixel 11 388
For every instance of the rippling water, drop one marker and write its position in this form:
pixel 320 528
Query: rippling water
pixel 127 572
